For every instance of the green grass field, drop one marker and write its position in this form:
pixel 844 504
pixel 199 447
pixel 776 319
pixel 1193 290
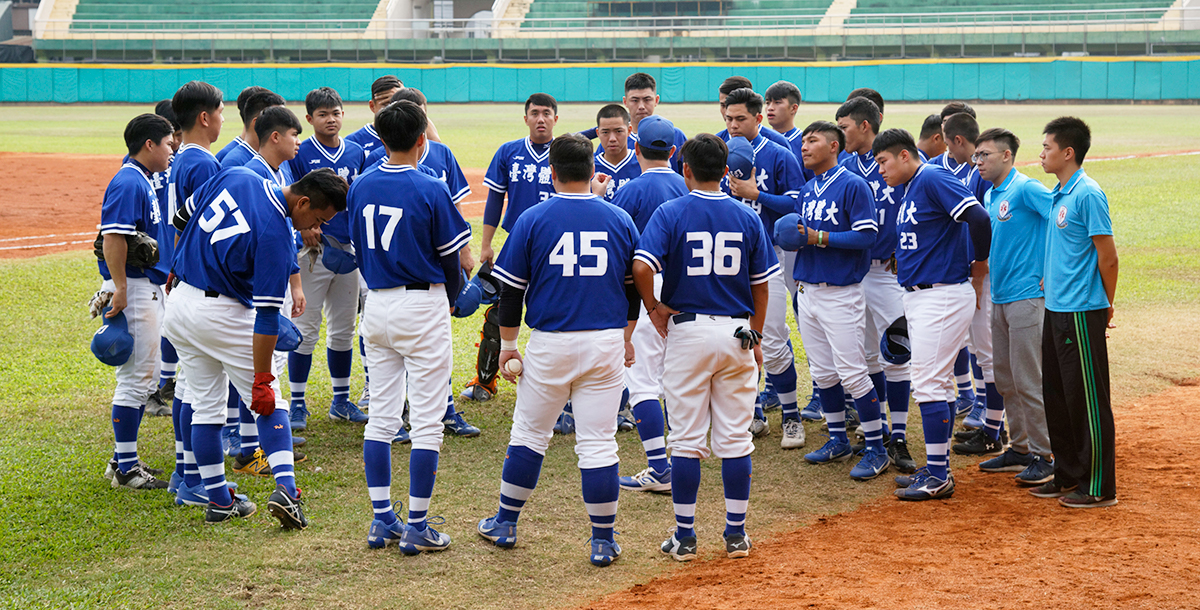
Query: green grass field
pixel 68 540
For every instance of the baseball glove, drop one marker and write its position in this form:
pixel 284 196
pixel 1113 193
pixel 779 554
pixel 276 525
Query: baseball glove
pixel 143 250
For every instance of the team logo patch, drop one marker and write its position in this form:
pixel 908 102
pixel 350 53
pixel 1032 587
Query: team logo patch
pixel 1061 218
pixel 1004 212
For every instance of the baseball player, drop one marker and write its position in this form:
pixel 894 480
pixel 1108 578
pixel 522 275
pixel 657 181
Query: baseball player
pixel 836 226
pixel 406 234
pixel 641 99
pixel 130 207
pixel 521 171
pixel 1081 284
pixel 236 255
pixel 771 193
pixel 247 132
pixel 715 262
pixel 616 163
pixel 640 198
pixel 875 98
pixel 859 119
pixel 731 84
pixel 930 143
pixel 161 401
pixel 248 144
pixel 327 271
pixel 569 260
pixel 933 267
pixel 1018 206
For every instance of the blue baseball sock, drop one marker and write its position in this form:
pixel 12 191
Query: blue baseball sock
pixel 879 380
pixel 125 432
pixel 962 374
pixel 176 411
pixel 600 491
pixel 422 473
pixel 649 417
pixel 897 397
pixel 625 397
pixel 735 474
pixel 567 409
pixel 451 408
pixel 768 387
pixel 275 434
pixel 249 430
pixel 685 484
pixel 168 361
pixel 937 423
pixel 191 472
pixel 816 392
pixel 785 388
pixel 994 415
pixel 362 351
pixel 299 367
pixel 834 407
pixel 977 374
pixel 519 477
pixel 871 420
pixel 377 457
pixel 206 439
pixel 340 364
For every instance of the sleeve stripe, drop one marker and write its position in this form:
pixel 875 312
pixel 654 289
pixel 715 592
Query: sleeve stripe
pixel 494 186
pixel 455 243
pixel 509 278
pixel 792 194
pixel 772 270
pixel 962 205
pixel 117 225
pixel 118 231
pixel 770 273
pixel 462 194
pixel 649 259
pixel 266 302
pixel 865 224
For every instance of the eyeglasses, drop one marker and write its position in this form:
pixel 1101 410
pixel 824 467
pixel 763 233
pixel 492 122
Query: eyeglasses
pixel 980 157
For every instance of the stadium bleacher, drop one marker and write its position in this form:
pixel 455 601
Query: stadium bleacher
pixel 944 12
pixel 260 14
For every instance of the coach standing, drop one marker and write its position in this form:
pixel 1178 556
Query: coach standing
pixel 1080 283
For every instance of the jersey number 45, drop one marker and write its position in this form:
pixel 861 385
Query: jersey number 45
pixel 564 255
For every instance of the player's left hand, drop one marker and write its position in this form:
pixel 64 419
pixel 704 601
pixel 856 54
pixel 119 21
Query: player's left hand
pixel 116 304
pixel 262 400
pixel 758 357
pixel 746 189
pixel 630 356
pixel 466 259
pixel 659 316
pixel 505 356
pixel 600 184
pixel 298 303
pixel 311 237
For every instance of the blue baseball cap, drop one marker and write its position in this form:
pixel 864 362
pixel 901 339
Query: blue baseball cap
pixel 787 232
pixel 741 158
pixel 112 344
pixel 894 345
pixel 337 260
pixel 289 337
pixel 656 133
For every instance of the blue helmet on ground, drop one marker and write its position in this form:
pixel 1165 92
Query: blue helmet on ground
pixel 337 260
pixel 112 344
pixel 289 336
pixel 894 345
pixel 483 289
pixel 787 232
pixel 741 158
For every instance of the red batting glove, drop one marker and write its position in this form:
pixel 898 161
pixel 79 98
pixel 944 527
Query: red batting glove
pixel 263 400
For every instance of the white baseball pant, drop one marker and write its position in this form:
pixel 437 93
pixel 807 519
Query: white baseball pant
pixel 938 319
pixel 335 296
pixel 777 354
pixel 979 338
pixel 831 321
pixel 644 378
pixel 138 377
pixel 885 304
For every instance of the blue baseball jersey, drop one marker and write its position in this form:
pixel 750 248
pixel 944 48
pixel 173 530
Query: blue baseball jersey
pixel 1019 207
pixel 281 177
pixel 887 202
pixel 776 172
pixel 710 249
pixel 572 255
pixel 191 167
pixel 402 221
pixel 680 138
pixel 620 174
pixel 346 161
pixel 932 246
pixel 232 144
pixel 238 155
pixel 946 161
pixel 924 157
pixel 239 240
pixel 440 163
pixel 767 133
pixel 642 195
pixel 1079 212
pixel 129 206
pixel 366 138
pixel 795 142
pixel 837 200
pixel 521 169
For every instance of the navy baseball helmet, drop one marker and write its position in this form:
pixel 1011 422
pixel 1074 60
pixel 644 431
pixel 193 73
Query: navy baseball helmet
pixel 289 336
pixel 337 260
pixel 112 344
pixel 894 345
pixel 656 133
pixel 741 158
pixel 787 232
pixel 483 289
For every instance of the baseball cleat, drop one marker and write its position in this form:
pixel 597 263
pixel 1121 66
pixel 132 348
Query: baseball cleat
pixel 1078 499
pixel 963 405
pixel 832 451
pixel 793 434
pixel 872 464
pixel 364 399
pixel 255 465
pixel 136 478
pixel 974 419
pixel 625 421
pixel 861 447
pixel 479 392
pixel 682 549
pixel 1039 471
pixel 501 533
pixel 175 482
pixel 604 552
pixel 347 411
pixel 231 440
pixel 241 507
pixel 905 480
pixel 648 480
pixel 980 444
pixel 458 426
pixel 760 427
pixel 565 423
pixel 812 410
pixel 769 400
pixel 298 415
pixel 298 441
pixel 382 534
pixel 402 437
pixel 112 467
pixel 927 487
pixel 901 458
pixel 1051 490
pixel 415 541
pixel 197 495
pixel 287 509
pixel 1009 461
pixel 737 546
pixel 156 405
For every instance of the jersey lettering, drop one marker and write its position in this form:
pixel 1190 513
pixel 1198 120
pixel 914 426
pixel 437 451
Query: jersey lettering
pixel 716 255
pixel 908 241
pixel 389 230
pixel 564 256
pixel 210 224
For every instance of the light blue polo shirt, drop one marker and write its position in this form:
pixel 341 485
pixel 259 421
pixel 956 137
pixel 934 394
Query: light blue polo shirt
pixel 1079 211
pixel 1019 207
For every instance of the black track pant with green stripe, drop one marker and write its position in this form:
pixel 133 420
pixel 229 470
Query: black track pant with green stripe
pixel 1078 405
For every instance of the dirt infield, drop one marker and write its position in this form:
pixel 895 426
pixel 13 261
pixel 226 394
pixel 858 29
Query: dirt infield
pixel 990 546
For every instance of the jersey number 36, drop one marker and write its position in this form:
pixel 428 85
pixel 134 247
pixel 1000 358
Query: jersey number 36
pixel 720 254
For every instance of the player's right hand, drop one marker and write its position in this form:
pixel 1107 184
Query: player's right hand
pixel 485 254
pixel 600 184
pixel 505 356
pixel 116 304
pixel 659 317
pixel 263 396
pixel 311 237
pixel 758 357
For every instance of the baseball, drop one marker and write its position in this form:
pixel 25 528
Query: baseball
pixel 513 366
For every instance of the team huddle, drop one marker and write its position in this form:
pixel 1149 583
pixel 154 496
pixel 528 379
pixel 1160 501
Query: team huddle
pixel 655 272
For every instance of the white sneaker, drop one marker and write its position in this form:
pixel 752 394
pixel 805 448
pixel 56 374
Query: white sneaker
pixel 793 434
pixel 759 427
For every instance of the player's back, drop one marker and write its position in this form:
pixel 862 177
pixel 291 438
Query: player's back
pixel 642 195
pixel 238 155
pixel 932 246
pixel 192 166
pixel 232 144
pixel 366 138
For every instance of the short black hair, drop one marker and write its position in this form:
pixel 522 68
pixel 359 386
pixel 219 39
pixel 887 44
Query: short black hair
pixel 733 83
pixel 1071 132
pixel 655 155
pixel 192 99
pixel 640 80
pixel 783 90
pixel 1004 139
pixel 571 158
pixel 400 124
pixel 707 155
pixel 831 131
pixel 276 118
pixel 163 109
pixel 146 127
pixel 541 99
pixel 245 95
pixel 259 102
pixel 956 107
pixel 860 109
pixel 960 124
pixel 324 189
pixel 613 111
pixel 870 94
pixel 383 84
pixel 893 140
pixel 752 100
pixel 411 94
pixel 321 97
pixel 932 126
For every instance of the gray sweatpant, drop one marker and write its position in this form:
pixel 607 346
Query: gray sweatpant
pixel 1017 358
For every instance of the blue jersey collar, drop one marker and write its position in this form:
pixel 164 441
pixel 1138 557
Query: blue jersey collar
pixel 615 168
pixel 201 148
pixel 575 195
pixel 331 155
pixel 792 134
pixel 826 179
pixel 387 167
pixel 539 157
pixel 869 156
pixel 710 194
pixel 275 195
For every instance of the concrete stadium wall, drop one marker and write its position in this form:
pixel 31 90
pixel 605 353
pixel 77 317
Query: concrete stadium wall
pixel 1133 78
